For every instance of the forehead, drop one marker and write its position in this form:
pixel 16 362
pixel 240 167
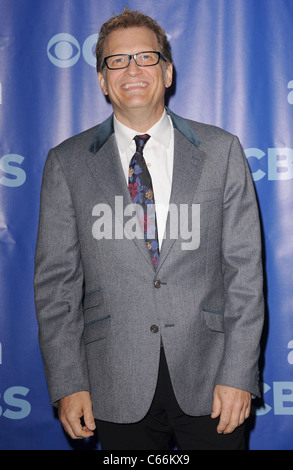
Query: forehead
pixel 130 41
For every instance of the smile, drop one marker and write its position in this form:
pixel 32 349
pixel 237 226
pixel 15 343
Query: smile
pixel 136 84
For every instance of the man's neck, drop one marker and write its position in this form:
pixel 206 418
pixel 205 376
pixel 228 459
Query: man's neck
pixel 138 119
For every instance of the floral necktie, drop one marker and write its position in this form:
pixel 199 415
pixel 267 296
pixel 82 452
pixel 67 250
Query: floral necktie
pixel 141 191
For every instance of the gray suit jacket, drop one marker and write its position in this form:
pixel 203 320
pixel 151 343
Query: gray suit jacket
pixel 97 299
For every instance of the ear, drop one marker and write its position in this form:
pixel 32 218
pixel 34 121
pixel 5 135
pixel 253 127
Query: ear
pixel 103 83
pixel 168 75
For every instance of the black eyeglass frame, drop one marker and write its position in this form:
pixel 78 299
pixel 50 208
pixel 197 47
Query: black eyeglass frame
pixel 133 56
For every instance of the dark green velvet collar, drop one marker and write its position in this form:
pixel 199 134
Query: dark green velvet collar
pixel 106 129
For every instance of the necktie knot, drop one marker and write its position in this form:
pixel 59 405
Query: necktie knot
pixel 140 141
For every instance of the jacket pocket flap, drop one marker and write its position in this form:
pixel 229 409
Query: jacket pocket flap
pixel 92 298
pixel 214 319
pixel 96 328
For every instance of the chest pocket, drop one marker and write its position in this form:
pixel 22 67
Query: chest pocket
pixel 208 195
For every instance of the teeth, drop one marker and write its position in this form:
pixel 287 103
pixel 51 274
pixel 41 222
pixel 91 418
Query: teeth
pixel 129 85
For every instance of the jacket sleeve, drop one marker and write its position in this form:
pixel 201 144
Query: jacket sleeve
pixel 58 286
pixel 243 276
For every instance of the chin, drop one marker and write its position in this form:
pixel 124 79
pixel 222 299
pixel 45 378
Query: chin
pixel 135 102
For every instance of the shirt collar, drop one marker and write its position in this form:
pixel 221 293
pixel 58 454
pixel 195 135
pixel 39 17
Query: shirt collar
pixel 160 132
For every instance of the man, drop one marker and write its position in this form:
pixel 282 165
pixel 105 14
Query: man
pixel 149 339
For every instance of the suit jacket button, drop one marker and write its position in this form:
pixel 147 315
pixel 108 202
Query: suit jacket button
pixel 158 284
pixel 154 329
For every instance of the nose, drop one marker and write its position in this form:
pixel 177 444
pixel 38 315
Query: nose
pixel 133 68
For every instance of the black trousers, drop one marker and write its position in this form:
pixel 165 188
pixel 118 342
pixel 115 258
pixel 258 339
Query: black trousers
pixel 166 426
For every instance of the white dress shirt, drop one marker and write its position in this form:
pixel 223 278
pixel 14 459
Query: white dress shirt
pixel 158 154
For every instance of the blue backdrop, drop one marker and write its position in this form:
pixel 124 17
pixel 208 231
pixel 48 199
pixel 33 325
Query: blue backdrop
pixel 234 69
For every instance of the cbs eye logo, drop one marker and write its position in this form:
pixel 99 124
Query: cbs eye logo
pixel 64 50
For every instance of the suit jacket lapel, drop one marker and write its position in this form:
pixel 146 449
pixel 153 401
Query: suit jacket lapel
pixel 187 168
pixel 105 164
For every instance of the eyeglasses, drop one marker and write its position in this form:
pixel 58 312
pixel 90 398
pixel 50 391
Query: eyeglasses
pixel 142 59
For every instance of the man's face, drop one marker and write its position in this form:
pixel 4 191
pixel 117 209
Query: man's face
pixel 135 88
